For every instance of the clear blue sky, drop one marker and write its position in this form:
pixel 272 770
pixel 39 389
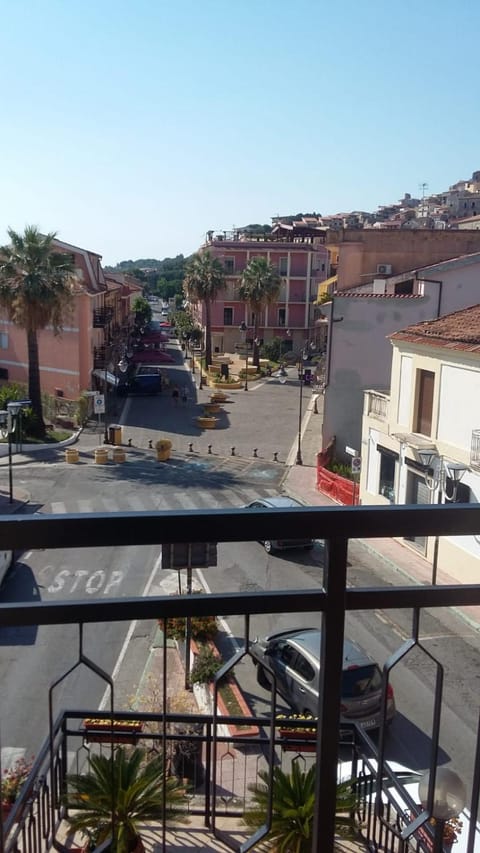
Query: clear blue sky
pixel 132 128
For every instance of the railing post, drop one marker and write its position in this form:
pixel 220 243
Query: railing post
pixel 331 657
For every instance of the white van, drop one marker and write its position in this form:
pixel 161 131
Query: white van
pixel 6 560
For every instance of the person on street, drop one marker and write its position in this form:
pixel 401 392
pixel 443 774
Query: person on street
pixel 184 395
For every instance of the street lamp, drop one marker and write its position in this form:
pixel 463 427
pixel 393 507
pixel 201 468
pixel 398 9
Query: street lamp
pixel 442 471
pixel 443 797
pixel 243 328
pixel 301 375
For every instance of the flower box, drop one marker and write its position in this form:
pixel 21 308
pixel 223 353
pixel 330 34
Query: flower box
pixel 307 735
pixel 99 730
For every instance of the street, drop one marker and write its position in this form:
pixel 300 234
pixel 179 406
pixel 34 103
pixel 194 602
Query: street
pixel 29 660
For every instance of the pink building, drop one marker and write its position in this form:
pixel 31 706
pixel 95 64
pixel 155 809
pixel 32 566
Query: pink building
pixel 99 314
pixel 301 259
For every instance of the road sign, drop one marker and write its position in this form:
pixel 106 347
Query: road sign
pixel 183 555
pixel 99 404
pixel 351 451
pixel 356 464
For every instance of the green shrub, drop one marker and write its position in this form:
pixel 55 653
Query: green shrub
pixel 340 468
pixel 206 665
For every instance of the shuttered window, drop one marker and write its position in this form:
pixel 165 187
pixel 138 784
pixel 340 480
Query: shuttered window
pixel 426 384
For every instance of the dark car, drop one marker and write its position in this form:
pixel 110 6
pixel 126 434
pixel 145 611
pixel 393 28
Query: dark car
pixel 279 544
pixel 294 657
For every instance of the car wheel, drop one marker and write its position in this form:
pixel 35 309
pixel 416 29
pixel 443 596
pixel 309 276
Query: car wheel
pixel 268 546
pixel 262 678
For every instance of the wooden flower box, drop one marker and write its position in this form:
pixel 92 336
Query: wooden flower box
pixel 106 731
pixel 310 738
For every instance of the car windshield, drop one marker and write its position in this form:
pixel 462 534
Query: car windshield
pixel 360 680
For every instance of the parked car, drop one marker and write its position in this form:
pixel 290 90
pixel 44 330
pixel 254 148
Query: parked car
pixel 6 561
pixel 294 657
pixel 271 545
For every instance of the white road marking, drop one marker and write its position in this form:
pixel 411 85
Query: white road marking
pixel 58 508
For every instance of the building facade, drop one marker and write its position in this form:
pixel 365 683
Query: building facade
pixel 301 261
pixel 433 405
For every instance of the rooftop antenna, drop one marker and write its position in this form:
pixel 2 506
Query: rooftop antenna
pixel 423 187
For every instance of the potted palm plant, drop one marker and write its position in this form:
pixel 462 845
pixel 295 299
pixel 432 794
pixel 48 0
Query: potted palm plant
pixel 117 794
pixel 293 808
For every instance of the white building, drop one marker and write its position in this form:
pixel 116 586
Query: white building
pixel 433 405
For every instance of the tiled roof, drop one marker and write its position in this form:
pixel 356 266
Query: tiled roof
pixel 459 331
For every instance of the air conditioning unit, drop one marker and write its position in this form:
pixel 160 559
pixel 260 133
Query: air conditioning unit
pixel 384 269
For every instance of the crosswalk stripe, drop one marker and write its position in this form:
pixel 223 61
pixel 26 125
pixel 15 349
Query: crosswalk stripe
pixel 85 506
pixel 58 508
pixel 110 505
pixel 249 494
pixel 208 500
pixel 185 501
pixel 231 498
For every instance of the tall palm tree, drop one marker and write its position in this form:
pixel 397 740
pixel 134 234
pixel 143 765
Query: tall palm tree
pixel 204 279
pixel 35 289
pixel 293 809
pixel 259 287
pixel 118 794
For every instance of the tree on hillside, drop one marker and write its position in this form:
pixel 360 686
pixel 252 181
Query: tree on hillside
pixel 204 279
pixel 260 286
pixel 36 290
pixel 142 311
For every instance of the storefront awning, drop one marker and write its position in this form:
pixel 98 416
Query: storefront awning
pixel 105 375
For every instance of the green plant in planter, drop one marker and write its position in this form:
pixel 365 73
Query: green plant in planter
pixel 206 664
pixel 125 786
pixel 202 627
pixel 293 808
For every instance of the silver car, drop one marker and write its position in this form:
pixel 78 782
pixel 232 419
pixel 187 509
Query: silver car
pixel 294 657
pixel 285 502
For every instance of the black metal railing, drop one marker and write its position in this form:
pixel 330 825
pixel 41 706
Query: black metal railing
pixel 102 317
pixel 40 805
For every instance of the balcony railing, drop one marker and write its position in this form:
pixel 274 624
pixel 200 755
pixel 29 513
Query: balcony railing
pixel 376 405
pixel 102 317
pixel 223 791
pixel 475 449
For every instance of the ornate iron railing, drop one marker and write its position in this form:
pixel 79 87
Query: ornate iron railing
pixel 41 805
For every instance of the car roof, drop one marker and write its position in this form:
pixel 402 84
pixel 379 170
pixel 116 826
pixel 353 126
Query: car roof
pixel 281 501
pixel 309 639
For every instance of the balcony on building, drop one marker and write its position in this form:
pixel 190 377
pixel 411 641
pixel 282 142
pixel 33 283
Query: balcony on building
pixel 376 405
pixel 102 317
pixel 230 760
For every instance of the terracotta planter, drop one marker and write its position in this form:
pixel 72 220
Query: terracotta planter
pixel 101 731
pixel 163 455
pixel 212 408
pixel 100 455
pixel 298 734
pixel 230 386
pixel 118 454
pixel 72 455
pixel 206 422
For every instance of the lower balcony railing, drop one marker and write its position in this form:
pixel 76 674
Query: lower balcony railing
pixel 219 770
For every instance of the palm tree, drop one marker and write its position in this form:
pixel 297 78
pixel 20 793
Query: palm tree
pixel 117 794
pixel 35 289
pixel 204 279
pixel 259 287
pixel 293 809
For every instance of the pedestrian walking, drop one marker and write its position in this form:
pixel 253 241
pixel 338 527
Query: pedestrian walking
pixel 175 395
pixel 184 395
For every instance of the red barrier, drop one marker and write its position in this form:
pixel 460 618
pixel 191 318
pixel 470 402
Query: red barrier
pixel 338 488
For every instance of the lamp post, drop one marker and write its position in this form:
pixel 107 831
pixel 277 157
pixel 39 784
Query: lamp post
pixel 443 797
pixel 442 470
pixel 243 328
pixel 301 376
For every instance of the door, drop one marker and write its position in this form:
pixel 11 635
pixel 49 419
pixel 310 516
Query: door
pixel 417 493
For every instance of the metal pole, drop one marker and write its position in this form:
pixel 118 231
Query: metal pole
pixel 245 387
pixel 10 469
pixel 299 460
pixel 105 431
pixel 188 621
pixel 436 542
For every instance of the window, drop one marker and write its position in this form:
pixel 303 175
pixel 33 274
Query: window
pixel 228 316
pixel 283 266
pixel 304 668
pixel 425 388
pixel 386 486
pixel 229 264
pixel 282 316
pixel 3 340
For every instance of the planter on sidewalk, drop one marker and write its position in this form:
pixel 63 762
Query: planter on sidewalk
pixel 103 730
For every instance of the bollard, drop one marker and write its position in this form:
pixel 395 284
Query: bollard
pixel 315 409
pixel 255 454
pixel 129 442
pixel 233 451
pixel 275 456
pixel 190 447
pixel 209 448
pixel 150 445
